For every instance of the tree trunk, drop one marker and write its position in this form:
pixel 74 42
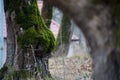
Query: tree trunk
pixel 24 30
pixel 43 64
pixel 11 43
pixel 47 13
pixel 64 36
pixel 11 48
pixel 96 23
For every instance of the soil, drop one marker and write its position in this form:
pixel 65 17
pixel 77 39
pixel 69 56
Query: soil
pixel 73 68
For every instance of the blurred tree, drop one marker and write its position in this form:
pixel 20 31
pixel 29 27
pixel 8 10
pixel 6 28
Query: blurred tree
pixel 47 13
pixel 97 19
pixel 64 36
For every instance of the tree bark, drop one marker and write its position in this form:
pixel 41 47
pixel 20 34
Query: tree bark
pixel 43 64
pixel 47 13
pixel 11 45
pixel 20 61
pixel 97 25
pixel 64 36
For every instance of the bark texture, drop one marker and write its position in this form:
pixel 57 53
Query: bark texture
pixel 28 39
pixel 96 22
pixel 47 13
pixel 64 36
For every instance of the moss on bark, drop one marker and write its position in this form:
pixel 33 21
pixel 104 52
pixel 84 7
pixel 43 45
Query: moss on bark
pixel 64 32
pixel 47 13
pixel 2 72
pixel 28 17
pixel 30 30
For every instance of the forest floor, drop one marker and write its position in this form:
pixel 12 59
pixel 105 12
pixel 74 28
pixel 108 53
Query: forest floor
pixel 73 68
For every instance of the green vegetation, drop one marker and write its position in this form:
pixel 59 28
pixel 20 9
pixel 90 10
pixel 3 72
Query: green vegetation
pixel 117 18
pixel 2 72
pixel 30 29
pixel 28 17
pixel 47 12
pixel 64 33
pixel 18 75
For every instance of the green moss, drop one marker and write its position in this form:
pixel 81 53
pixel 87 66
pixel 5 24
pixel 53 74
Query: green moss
pixel 64 33
pixel 28 38
pixel 117 17
pixel 18 75
pixel 47 12
pixel 65 25
pixel 115 5
pixel 29 18
pixel 118 35
pixel 12 4
pixel 2 72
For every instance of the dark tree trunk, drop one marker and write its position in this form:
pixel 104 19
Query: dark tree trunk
pixel 11 43
pixel 43 64
pixel 47 13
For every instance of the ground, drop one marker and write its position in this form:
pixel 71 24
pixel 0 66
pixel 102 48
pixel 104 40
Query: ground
pixel 73 68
